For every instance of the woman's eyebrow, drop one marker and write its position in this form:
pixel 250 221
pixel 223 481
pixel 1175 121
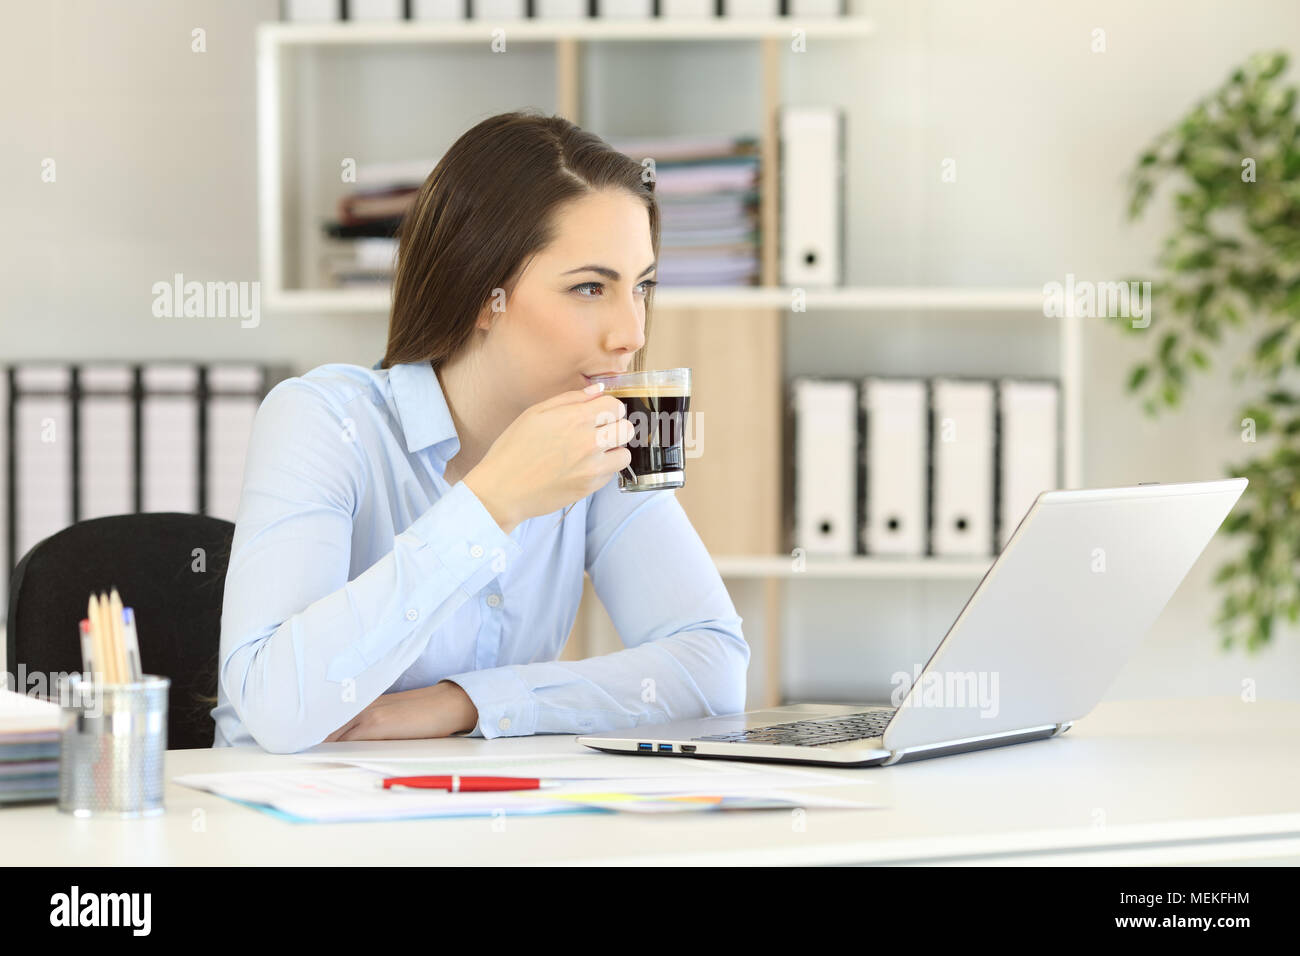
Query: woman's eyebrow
pixel 608 272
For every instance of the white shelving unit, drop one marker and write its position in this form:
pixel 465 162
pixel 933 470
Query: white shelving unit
pixel 275 41
pixel 860 298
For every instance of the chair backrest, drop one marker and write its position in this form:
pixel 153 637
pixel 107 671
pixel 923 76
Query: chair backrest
pixel 170 567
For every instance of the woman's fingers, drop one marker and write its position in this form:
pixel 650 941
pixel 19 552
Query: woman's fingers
pixel 574 397
pixel 615 433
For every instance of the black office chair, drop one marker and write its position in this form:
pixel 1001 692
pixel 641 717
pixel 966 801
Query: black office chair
pixel 151 560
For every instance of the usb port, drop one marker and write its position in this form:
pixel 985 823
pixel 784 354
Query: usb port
pixel 688 748
pixel 667 748
pixel 645 747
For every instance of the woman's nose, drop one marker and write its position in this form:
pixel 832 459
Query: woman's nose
pixel 628 327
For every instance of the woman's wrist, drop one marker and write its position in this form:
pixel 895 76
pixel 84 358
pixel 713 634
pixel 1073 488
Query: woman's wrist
pixel 491 499
pixel 456 697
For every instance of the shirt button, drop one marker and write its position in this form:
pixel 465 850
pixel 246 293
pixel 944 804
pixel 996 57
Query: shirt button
pixel 412 614
pixel 504 723
pixel 476 551
pixel 494 600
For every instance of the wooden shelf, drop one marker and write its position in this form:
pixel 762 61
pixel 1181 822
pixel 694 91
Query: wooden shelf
pixel 349 33
pixel 782 566
pixel 847 298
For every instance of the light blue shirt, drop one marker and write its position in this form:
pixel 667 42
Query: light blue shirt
pixel 356 571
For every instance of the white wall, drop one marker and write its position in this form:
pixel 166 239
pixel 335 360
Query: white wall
pixel 155 151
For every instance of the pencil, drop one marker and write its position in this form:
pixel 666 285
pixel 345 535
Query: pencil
pixel 96 639
pixel 119 638
pixel 105 608
pixel 106 636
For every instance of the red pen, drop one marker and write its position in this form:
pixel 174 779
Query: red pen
pixel 454 783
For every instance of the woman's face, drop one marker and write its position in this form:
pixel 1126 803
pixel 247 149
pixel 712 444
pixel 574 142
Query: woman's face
pixel 578 308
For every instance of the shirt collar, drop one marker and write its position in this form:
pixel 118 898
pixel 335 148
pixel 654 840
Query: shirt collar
pixel 422 408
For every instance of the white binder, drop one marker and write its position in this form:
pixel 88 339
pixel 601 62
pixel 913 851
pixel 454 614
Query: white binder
pixel 107 440
pixel 895 458
pixel 437 10
pixel 1029 446
pixel 962 456
pixel 816 8
pixel 686 9
pixel 747 9
pixel 312 11
pixel 498 9
pixel 43 453
pixel 560 9
pixel 169 439
pixel 812 200
pixel 825 461
pixel 376 10
pixel 234 394
pixel 625 9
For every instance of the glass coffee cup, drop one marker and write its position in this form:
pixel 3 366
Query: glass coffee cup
pixel 657 404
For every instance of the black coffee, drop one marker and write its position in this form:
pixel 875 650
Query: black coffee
pixel 658 420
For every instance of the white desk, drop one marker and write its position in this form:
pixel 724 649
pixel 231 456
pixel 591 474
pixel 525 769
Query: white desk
pixel 1136 782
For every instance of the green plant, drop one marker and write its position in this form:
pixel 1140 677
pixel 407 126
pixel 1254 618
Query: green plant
pixel 1234 260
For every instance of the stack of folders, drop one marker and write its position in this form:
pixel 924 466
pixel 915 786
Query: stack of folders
pixel 29 748
pixel 82 441
pixel 707 191
pixel 945 467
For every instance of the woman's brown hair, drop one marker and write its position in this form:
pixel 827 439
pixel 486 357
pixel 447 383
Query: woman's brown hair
pixel 482 213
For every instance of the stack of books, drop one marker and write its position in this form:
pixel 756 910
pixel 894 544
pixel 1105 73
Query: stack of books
pixel 29 748
pixel 361 244
pixel 707 188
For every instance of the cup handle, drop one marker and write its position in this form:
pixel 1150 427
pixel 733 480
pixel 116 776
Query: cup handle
pixel 631 475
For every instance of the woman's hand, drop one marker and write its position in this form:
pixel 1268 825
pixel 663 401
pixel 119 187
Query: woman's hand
pixel 554 453
pixel 438 711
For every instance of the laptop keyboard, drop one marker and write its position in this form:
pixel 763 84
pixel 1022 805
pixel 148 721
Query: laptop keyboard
pixel 812 733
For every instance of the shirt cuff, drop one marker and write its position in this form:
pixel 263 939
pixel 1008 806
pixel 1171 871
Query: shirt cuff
pixel 505 704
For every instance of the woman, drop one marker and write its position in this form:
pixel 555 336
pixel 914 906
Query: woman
pixel 411 539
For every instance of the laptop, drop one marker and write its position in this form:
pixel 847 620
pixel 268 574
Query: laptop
pixel 1046 631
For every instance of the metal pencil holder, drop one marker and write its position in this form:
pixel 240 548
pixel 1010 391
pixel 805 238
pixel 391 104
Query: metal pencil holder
pixel 114 741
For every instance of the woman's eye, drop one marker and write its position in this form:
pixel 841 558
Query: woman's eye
pixel 648 283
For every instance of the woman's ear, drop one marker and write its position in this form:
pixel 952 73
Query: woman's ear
pixel 495 305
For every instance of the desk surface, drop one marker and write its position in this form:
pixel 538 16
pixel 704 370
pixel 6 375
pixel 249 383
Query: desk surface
pixel 1153 781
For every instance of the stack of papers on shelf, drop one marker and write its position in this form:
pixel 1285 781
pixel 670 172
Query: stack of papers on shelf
pixel 29 748
pixel 707 191
pixel 351 791
pixel 360 242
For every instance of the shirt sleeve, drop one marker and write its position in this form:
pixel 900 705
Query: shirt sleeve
pixel 304 649
pixel 686 655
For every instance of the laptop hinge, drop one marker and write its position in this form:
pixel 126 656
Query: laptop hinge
pixel 1062 728
pixel 894 757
